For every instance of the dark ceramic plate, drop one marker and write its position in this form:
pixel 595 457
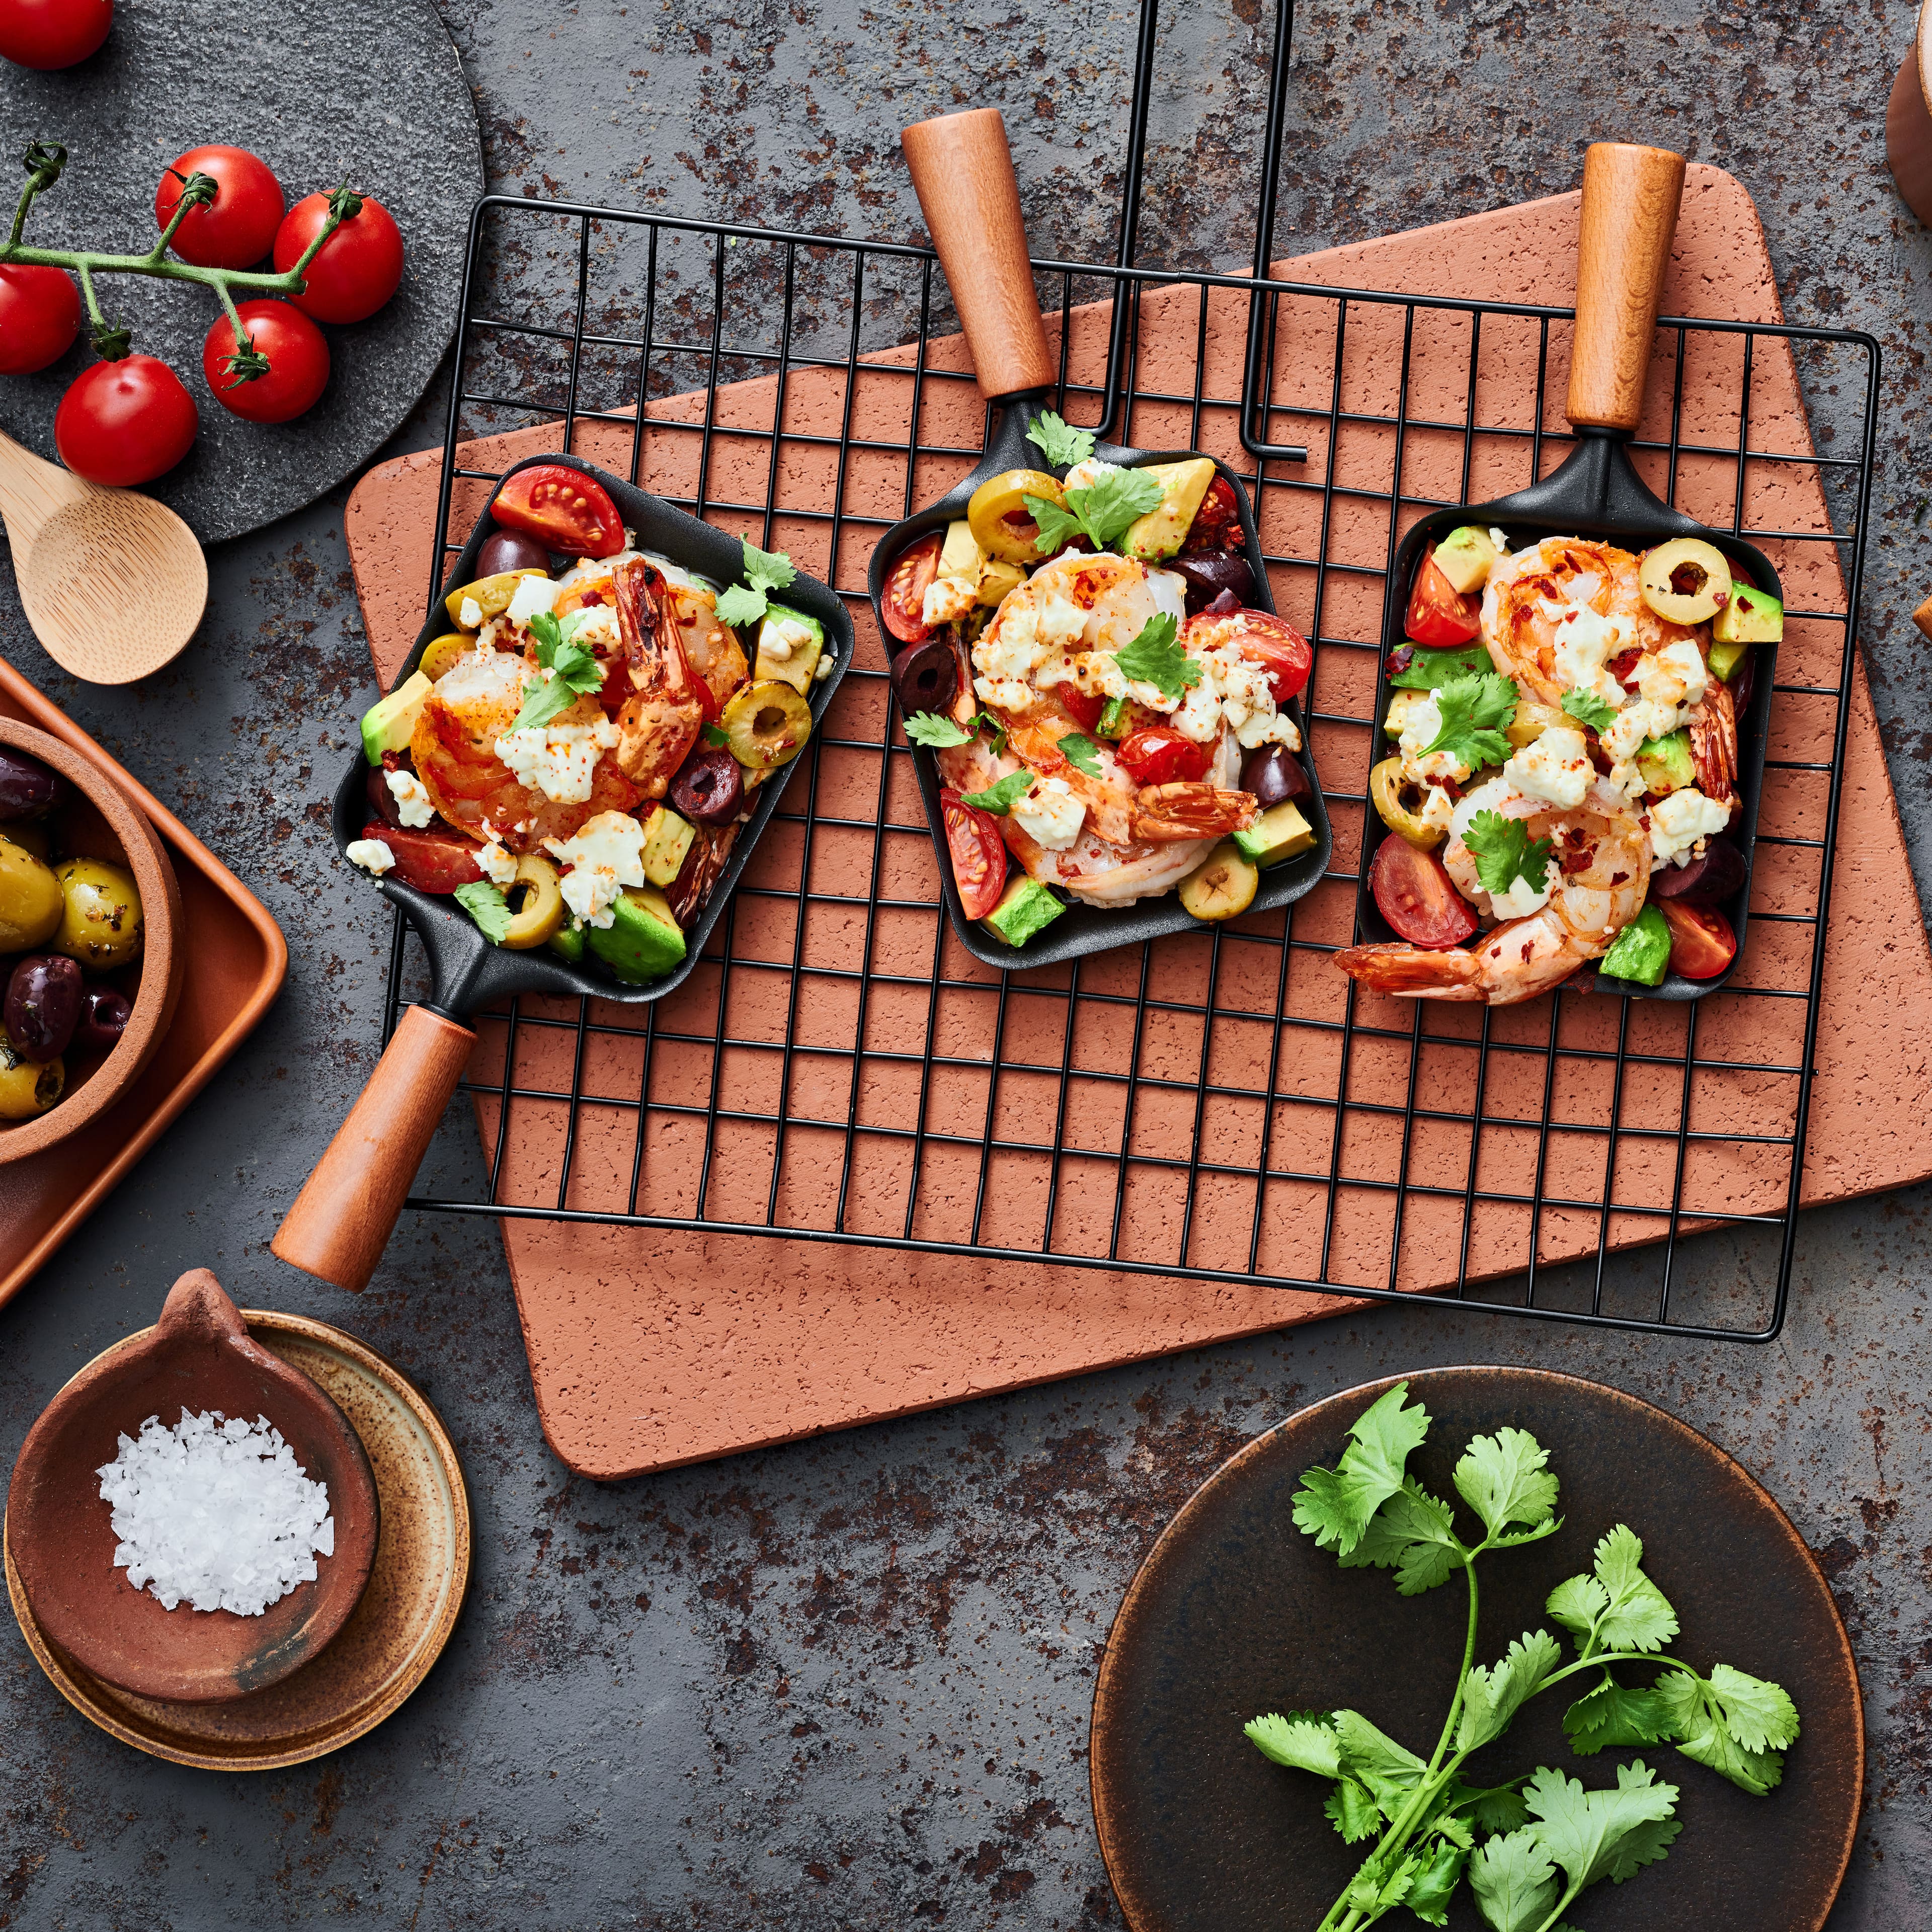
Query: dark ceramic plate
pixel 1236 1613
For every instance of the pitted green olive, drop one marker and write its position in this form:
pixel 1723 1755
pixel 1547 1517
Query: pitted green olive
pixel 1398 805
pixel 766 724
pixel 101 924
pixel 30 900
pixel 999 519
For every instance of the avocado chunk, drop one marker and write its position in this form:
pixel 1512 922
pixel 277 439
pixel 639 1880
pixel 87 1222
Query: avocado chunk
pixel 1164 529
pixel 997 578
pixel 789 642
pixel 1279 834
pixel 1665 764
pixel 667 839
pixel 567 942
pixel 1024 907
pixel 642 941
pixel 1116 721
pixel 489 596
pixel 960 555
pixel 1641 951
pixel 387 723
pixel 1751 617
pixel 1465 556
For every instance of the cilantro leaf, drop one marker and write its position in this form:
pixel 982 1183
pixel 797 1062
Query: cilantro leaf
pixel 1058 525
pixel 737 605
pixel 1587 708
pixel 1760 1715
pixel 1373 1891
pixel 1352 1811
pixel 1504 852
pixel 1514 1881
pixel 571 671
pixel 1103 510
pixel 1491 1696
pixel 1060 441
pixel 1435 1885
pixel 1697 1727
pixel 1304 1741
pixel 1334 1506
pixel 1155 658
pixel 1429 669
pixel 1390 1771
pixel 1639 1616
pixel 1081 752
pixel 988 723
pixel 1504 1477
pixel 1614 1717
pixel 929 727
pixel 1577 1604
pixel 1499 1809
pixel 1597 1834
pixel 716 734
pixel 1475 711
pixel 1001 798
pixel 765 571
pixel 486 905
pixel 1413 1534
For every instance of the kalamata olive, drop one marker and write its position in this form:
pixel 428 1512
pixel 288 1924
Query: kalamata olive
pixel 1715 873
pixel 925 677
pixel 510 550
pixel 1210 572
pixel 104 1014
pixel 1273 774
pixel 710 789
pixel 27 788
pixel 1225 604
pixel 382 799
pixel 44 995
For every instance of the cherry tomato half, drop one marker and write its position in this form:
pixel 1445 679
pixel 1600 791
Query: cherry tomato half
pixel 979 854
pixel 1438 613
pixel 125 422
pixel 1701 942
pixel 1084 707
pixel 40 316
pixel 1217 523
pixel 432 860
pixel 1415 894
pixel 297 358
pixel 354 271
pixel 45 34
pixel 1159 755
pixel 1270 641
pixel 238 227
pixel 564 510
pixel 903 599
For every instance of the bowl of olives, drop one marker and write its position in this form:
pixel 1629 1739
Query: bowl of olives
pixel 90 954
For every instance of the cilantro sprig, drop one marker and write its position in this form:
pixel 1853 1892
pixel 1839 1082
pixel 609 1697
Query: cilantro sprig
pixel 485 903
pixel 570 671
pixel 765 571
pixel 1000 797
pixel 1155 657
pixel 1530 1845
pixel 1081 753
pixel 1505 852
pixel 1102 511
pixel 1061 443
pixel 935 729
pixel 1587 708
pixel 1475 711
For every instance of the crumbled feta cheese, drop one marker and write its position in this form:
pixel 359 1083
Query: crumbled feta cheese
pixel 480 677
pixel 947 600
pixel 1555 766
pixel 1010 646
pixel 596 625
pixel 470 614
pixel 1050 814
pixel 1626 782
pixel 1522 899
pixel 1585 643
pixel 1061 620
pixel 1678 822
pixel 558 759
pixel 412 797
pixel 821 670
pixel 373 855
pixel 1420 723
pixel 497 866
pixel 1500 541
pixel 1003 694
pixel 1094 672
pixel 1437 808
pixel 1085 474
pixel 605 855
pixel 1674 677
pixel 533 594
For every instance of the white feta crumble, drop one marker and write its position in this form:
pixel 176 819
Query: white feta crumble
pixel 1420 723
pixel 1500 541
pixel 1049 814
pixel 947 599
pixel 1085 474
pixel 1437 808
pixel 556 759
pixel 596 624
pixel 373 855
pixel 1555 766
pixel 1061 620
pixel 605 854
pixel 1585 644
pixel 1010 646
pixel 497 866
pixel 1673 677
pixel 1678 822
pixel 412 797
pixel 470 614
pixel 1003 694
pixel 533 594
pixel 1634 725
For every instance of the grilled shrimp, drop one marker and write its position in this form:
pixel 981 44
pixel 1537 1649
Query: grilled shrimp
pixel 669 701
pixel 1604 853
pixel 1714 745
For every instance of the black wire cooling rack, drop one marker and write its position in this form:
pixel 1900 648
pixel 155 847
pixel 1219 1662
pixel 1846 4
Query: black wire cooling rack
pixel 1221 1107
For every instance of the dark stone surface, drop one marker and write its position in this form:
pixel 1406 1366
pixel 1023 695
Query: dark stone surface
pixel 845 1685
pixel 371 91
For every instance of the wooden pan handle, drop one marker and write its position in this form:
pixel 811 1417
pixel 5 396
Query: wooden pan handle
pixel 343 1218
pixel 963 171
pixel 1631 196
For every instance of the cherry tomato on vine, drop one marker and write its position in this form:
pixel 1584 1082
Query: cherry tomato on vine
pixel 125 422
pixel 238 227
pixel 354 271
pixel 40 316
pixel 1158 754
pixel 903 599
pixel 46 34
pixel 293 347
pixel 979 854
pixel 564 510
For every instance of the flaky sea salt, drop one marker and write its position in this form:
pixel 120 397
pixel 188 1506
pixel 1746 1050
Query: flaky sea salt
pixel 215 1511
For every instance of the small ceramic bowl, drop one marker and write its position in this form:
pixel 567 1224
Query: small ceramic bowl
pixel 199 1356
pixel 101 822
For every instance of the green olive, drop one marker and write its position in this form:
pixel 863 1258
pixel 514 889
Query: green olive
pixel 442 654
pixel 536 903
pixel 28 1088
pixel 490 595
pixel 29 836
pixel 100 922
pixel 1686 581
pixel 30 900
pixel 766 725
pixel 1395 803
pixel 1221 886
pixel 1531 721
pixel 1003 497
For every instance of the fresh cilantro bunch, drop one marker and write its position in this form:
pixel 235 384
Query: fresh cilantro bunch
pixel 1505 852
pixel 1102 511
pixel 1475 711
pixel 1529 1846
pixel 765 571
pixel 1060 441
pixel 1155 657
pixel 570 670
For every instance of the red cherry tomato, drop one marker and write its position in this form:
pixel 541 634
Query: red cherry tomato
pixel 238 227
pixel 40 316
pixel 1701 942
pixel 564 509
pixel 1268 640
pixel 1084 707
pixel 298 359
pixel 125 422
pixel 1415 894
pixel 354 271
pixel 903 599
pixel 979 854
pixel 1438 613
pixel 1217 523
pixel 431 860
pixel 1160 755
pixel 46 34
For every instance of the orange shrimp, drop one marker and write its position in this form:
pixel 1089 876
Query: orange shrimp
pixel 669 703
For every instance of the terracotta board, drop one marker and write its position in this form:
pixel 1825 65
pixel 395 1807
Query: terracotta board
pixel 652 1348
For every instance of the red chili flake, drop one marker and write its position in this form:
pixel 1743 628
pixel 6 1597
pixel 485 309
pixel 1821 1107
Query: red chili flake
pixel 395 761
pixel 1526 945
pixel 591 599
pixel 1624 663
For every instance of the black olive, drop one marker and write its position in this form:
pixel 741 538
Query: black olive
pixel 27 788
pixel 1273 774
pixel 1716 873
pixel 44 1005
pixel 710 788
pixel 1212 574
pixel 510 550
pixel 104 1014
pixel 925 677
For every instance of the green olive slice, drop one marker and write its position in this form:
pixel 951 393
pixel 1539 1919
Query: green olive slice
pixel 766 725
pixel 999 519
pixel 537 910
pixel 490 595
pixel 1221 886
pixel 1386 791
pixel 1686 581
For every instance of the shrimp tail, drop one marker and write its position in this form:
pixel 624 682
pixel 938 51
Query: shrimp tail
pixel 1413 972
pixel 1191 810
pixel 1714 745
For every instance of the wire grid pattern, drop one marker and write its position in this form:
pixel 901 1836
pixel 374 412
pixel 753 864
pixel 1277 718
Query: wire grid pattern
pixel 1218 1106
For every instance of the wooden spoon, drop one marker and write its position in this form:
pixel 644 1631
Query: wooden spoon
pixel 113 582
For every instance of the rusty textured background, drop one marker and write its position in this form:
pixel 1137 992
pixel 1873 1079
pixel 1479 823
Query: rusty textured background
pixel 845 1685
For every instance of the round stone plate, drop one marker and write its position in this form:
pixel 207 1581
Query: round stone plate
pixel 1236 1613
pixel 370 90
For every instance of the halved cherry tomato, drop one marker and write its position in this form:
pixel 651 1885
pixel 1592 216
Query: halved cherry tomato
pixel 1417 896
pixel 979 854
pixel 903 600
pixel 1701 942
pixel 1217 523
pixel 564 509
pixel 431 860
pixel 1159 755
pixel 1084 706
pixel 1268 640
pixel 1437 612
